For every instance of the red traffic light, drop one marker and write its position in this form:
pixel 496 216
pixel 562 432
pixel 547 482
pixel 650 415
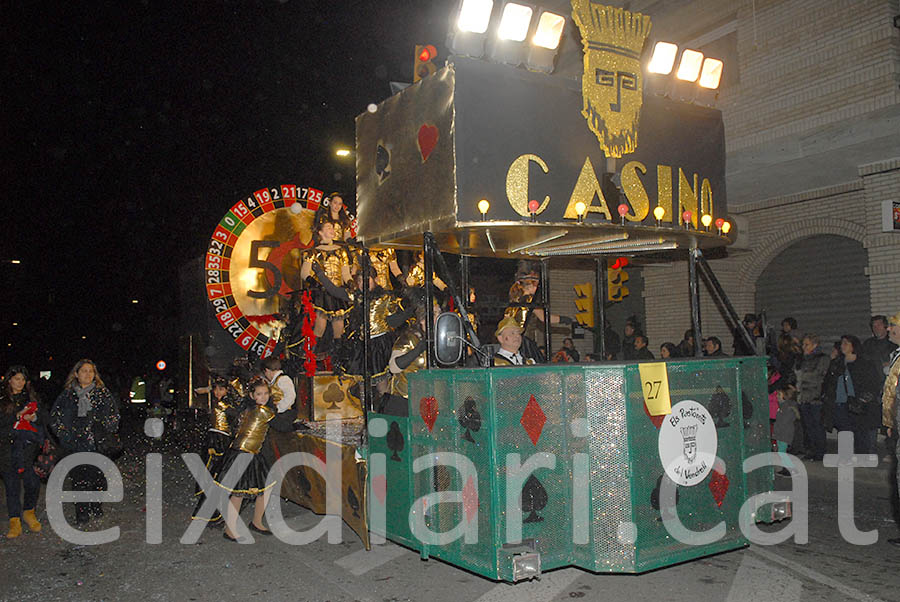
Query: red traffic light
pixel 620 262
pixel 427 53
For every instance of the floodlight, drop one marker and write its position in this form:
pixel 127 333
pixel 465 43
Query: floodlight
pixel 663 58
pixel 475 15
pixel 689 68
pixel 549 30
pixel 711 73
pixel 514 22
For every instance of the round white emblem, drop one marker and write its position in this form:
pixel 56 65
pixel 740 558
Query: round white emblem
pixel 688 443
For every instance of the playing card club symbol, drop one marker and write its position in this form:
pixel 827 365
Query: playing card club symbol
pixel 720 407
pixel 395 441
pixel 333 396
pixel 534 499
pixel 428 410
pixel 382 163
pixel 469 418
pixel 427 139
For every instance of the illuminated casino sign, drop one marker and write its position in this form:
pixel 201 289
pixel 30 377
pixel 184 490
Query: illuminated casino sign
pixel 252 263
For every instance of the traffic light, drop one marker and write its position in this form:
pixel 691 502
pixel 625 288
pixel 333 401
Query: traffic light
pixel 616 277
pixel 423 65
pixel 584 303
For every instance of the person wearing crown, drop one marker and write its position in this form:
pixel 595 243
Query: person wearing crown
pixel 509 335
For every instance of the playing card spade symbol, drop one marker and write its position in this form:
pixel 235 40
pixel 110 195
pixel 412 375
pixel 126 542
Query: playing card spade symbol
pixel 353 501
pixel 469 418
pixel 534 498
pixel 395 441
pixel 720 407
pixel 382 163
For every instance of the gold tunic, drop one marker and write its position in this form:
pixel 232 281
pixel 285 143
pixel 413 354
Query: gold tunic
pixel 405 343
pixel 379 310
pixel 331 261
pixel 381 261
pixel 499 360
pixel 889 394
pixel 253 429
pixel 220 418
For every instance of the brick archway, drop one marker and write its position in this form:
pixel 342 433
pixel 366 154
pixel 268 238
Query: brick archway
pixel 770 247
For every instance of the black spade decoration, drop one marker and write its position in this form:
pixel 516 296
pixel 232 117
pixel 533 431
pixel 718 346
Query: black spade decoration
pixel 333 396
pixel 654 495
pixel 382 163
pixel 353 501
pixel 469 418
pixel 395 440
pixel 534 499
pixel 720 407
pixel 747 406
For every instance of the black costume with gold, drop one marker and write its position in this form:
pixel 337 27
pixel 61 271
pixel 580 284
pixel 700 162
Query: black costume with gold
pixel 384 309
pixel 250 437
pixel 332 262
pixel 381 260
pixel 521 308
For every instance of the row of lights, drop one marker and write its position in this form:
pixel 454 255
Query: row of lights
pixel 693 66
pixel 723 226
pixel 517 21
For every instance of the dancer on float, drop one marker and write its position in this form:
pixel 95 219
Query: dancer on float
pixel 327 260
pixel 335 212
pixel 523 310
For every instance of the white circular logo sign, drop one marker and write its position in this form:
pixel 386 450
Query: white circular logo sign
pixel 688 443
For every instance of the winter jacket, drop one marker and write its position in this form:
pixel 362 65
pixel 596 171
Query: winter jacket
pixel 810 375
pixel 867 378
pixel 7 420
pixel 76 433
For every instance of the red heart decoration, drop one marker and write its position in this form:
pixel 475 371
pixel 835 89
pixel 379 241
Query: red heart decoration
pixel 656 420
pixel 428 410
pixel 379 487
pixel 428 138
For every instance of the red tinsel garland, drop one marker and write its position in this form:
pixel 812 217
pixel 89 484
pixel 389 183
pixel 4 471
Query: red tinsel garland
pixel 309 337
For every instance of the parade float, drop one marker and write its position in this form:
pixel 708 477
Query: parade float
pixel 511 471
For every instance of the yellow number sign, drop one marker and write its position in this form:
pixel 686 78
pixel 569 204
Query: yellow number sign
pixel 655 384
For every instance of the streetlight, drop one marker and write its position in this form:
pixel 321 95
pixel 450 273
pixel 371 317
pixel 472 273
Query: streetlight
pixel 343 152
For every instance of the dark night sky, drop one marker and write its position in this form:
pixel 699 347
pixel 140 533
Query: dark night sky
pixel 131 127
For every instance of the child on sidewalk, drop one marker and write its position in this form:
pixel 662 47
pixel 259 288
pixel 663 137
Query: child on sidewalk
pixel 783 431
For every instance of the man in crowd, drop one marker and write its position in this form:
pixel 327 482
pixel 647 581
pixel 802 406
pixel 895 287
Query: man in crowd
pixel 640 348
pixel 712 347
pixel 879 347
pixel 890 397
pixel 752 324
pixel 283 392
pixel 810 374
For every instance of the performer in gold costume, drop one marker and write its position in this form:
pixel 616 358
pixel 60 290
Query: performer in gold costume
pixel 522 308
pixel 407 356
pixel 415 277
pixel 224 414
pixel 335 212
pixel 331 261
pixel 509 335
pixel 250 437
pixel 384 262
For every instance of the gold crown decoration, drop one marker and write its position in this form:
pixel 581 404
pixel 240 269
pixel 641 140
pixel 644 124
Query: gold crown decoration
pixel 610 28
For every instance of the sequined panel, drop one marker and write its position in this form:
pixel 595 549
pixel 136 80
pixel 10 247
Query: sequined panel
pixel 610 461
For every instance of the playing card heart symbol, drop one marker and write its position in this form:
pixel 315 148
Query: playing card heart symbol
pixel 428 138
pixel 379 487
pixel 428 409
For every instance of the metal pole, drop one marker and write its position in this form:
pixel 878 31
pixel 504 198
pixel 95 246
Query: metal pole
pixel 600 307
pixel 367 376
pixel 695 298
pixel 429 244
pixel 464 291
pixel 729 308
pixel 545 301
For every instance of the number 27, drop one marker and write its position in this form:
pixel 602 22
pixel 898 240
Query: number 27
pixel 653 387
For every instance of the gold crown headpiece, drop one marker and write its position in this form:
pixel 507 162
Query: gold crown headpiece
pixel 610 28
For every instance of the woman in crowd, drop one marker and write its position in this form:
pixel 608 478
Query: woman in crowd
pixel 834 412
pixel 83 414
pixel 15 398
pixel 861 379
pixel 668 351
pixel 327 260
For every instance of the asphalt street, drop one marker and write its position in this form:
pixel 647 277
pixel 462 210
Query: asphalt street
pixel 43 567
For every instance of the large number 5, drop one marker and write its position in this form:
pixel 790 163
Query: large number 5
pixel 256 262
